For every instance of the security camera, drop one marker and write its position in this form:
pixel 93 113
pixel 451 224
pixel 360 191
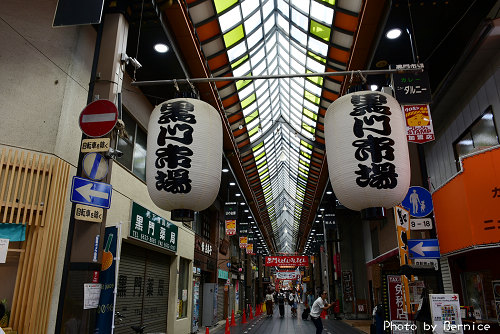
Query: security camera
pixel 113 153
pixel 129 60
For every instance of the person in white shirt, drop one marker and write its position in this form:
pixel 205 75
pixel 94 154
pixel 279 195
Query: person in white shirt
pixel 318 306
pixel 269 304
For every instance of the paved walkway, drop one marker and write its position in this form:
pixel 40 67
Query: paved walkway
pixel 289 325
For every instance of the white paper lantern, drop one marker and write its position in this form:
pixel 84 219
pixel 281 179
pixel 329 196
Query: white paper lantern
pixel 184 157
pixel 367 151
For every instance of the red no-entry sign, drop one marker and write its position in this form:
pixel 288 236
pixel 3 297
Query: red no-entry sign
pixel 98 118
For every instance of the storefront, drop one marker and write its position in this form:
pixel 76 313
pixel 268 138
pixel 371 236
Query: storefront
pixel 203 272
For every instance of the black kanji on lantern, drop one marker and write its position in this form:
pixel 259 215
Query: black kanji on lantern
pixel 175 179
pixel 378 174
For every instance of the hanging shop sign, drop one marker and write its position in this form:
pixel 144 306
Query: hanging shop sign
pixel 249 248
pixel 243 242
pixel 419 127
pixel 149 227
pixel 223 274
pixel 95 145
pixel 347 285
pixel 98 118
pixel 203 246
pixel 230 216
pixel 412 87
pixel 183 164
pixel 294 261
pixel 287 275
pixel 368 159
pixel 329 220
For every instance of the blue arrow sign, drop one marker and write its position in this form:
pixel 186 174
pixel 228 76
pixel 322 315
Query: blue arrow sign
pixel 418 201
pixel 92 193
pixel 428 248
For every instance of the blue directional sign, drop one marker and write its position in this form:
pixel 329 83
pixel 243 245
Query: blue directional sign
pixel 428 248
pixel 92 193
pixel 418 201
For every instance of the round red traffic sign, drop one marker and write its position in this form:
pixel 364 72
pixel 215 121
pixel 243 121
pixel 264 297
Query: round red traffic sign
pixel 98 118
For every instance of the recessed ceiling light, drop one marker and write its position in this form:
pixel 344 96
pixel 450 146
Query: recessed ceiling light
pixel 238 195
pixel 225 170
pixel 161 48
pixel 373 87
pixel 393 33
pixel 232 183
pixel 329 192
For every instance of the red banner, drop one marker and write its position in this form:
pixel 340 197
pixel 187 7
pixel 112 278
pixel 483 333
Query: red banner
pixel 297 261
pixel 396 298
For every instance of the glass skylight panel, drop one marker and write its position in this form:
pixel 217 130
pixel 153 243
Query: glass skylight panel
pixel 268 7
pixel 299 36
pixel 311 106
pixel 253 123
pixel 252 22
pixel 255 38
pixel 242 70
pixel 250 109
pixel 317 46
pixel 313 88
pixel 297 53
pixel 303 5
pixel 300 19
pixel 236 51
pixel 283 24
pixel 230 19
pixel 258 57
pixel 321 13
pixel 269 24
pixel 283 8
pixel 248 6
pixel 260 69
pixel 296 66
pixel 245 92
pixel 314 66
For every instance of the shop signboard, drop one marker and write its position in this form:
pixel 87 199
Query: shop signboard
pixel 231 227
pixel 445 311
pixel 287 275
pixel 243 242
pixel 146 226
pixel 347 285
pixel 412 87
pixel 230 216
pixel 249 248
pixel 329 220
pixel 222 274
pixel 398 316
pixel 295 261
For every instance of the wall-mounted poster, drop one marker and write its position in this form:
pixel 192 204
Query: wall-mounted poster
pixel 445 311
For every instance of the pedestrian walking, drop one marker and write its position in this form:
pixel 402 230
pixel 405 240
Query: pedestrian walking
pixel 269 304
pixel 281 303
pixel 318 306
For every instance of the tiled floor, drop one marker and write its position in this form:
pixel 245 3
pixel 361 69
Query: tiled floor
pixel 285 325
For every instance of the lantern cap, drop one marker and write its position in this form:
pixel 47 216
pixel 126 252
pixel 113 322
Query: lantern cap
pixel 373 213
pixel 182 215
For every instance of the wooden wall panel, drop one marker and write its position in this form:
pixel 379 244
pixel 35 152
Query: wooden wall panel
pixel 33 190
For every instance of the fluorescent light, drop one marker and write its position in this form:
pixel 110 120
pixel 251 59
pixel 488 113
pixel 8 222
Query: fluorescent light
pixel 232 183
pixel 161 48
pixel 393 33
pixel 225 170
pixel 329 192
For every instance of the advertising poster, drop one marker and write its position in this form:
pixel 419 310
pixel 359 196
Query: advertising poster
pixel 398 315
pixel 243 242
pixel 445 311
pixel 230 227
pixel 249 248
pixel 418 123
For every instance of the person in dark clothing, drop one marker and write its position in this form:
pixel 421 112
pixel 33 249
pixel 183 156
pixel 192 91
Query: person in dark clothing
pixel 281 303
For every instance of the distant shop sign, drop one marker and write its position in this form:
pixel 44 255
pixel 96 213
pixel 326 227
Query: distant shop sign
pixel 149 227
pixel 298 261
pixel 411 88
pixel 223 274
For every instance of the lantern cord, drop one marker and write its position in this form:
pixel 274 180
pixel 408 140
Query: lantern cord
pixel 176 85
pixel 362 77
pixel 276 76
pixel 352 76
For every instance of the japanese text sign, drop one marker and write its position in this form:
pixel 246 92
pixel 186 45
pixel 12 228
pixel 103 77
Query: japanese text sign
pixel 148 227
pixel 412 87
pixel 419 127
pixel 298 261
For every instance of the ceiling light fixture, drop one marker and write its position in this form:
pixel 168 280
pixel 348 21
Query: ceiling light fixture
pixel 373 87
pixel 393 33
pixel 161 48
pixel 225 170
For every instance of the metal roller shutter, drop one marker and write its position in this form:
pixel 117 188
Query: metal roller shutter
pixel 220 303
pixel 156 292
pixel 142 297
pixel 446 274
pixel 130 287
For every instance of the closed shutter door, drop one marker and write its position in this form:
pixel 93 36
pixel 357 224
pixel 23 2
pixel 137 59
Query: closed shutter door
pixel 130 288
pixel 156 292
pixel 220 303
pixel 232 299
pixel 142 296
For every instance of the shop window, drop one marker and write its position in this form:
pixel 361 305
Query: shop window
pixel 222 229
pixel 201 224
pixel 473 288
pixel 480 135
pixel 133 145
pixel 182 293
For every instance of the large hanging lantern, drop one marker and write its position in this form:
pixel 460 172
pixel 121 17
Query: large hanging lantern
pixel 367 150
pixel 184 157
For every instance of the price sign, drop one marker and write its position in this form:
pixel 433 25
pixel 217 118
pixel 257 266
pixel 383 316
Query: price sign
pixel 421 224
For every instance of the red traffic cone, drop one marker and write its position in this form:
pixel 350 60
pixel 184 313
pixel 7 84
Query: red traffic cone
pixel 244 320
pixel 259 309
pixel 232 319
pixel 227 331
pixel 251 315
pixel 207 331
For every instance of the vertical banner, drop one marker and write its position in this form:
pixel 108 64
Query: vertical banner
pixel 402 218
pixel 249 248
pixel 107 278
pixel 230 216
pixel 398 315
pixel 243 242
pixel 419 127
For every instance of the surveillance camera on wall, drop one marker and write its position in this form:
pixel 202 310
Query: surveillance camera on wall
pixel 113 153
pixel 129 60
